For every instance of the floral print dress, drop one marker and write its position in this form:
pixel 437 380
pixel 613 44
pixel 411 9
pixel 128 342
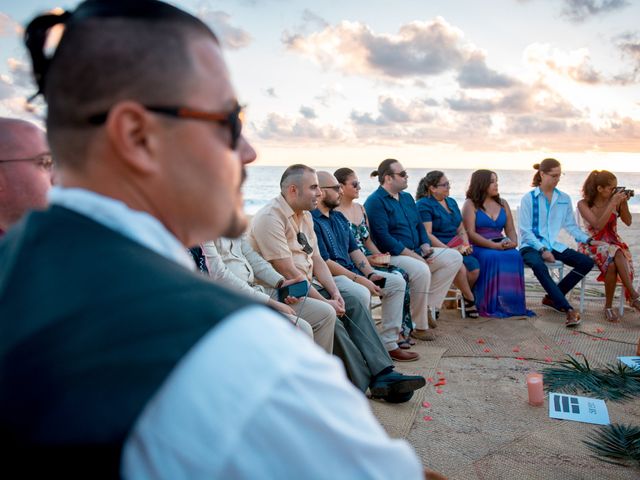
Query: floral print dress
pixel 603 255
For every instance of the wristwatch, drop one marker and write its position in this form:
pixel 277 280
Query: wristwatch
pixel 589 240
pixel 542 250
pixel 369 276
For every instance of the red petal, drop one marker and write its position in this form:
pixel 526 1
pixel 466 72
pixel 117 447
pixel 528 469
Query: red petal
pixel 426 404
pixel 439 391
pixel 516 350
pixel 427 418
pixel 486 350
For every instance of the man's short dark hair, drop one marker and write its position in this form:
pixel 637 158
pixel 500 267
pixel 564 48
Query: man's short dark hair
pixel 114 50
pixel 293 175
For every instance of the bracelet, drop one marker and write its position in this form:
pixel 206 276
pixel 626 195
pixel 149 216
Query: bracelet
pixel 369 276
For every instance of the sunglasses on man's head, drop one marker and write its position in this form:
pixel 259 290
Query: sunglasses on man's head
pixel 302 240
pixel 232 119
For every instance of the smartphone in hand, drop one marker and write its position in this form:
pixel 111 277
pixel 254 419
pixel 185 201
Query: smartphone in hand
pixel 381 282
pixel 297 290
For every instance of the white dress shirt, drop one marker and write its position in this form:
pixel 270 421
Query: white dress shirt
pixel 251 399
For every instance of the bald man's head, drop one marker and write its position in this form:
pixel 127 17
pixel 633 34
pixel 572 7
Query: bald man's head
pixel 25 170
pixel 331 190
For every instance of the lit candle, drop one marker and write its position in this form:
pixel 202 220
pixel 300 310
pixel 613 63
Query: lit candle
pixel 536 392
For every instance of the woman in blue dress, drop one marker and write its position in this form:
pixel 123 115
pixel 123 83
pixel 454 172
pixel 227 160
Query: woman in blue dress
pixel 443 222
pixel 489 223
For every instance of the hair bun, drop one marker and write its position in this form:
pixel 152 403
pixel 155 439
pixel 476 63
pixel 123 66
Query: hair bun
pixel 536 166
pixel 375 173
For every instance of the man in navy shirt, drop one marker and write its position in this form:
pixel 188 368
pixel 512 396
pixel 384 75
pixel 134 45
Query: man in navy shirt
pixel 396 228
pixel 338 248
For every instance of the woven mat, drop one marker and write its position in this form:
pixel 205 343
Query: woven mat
pixel 397 419
pixel 482 426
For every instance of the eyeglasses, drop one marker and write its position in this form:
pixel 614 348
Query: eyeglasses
pixel 302 240
pixel 44 160
pixel 402 174
pixel 446 185
pixel 335 188
pixel 557 175
pixel 233 120
pixel 355 184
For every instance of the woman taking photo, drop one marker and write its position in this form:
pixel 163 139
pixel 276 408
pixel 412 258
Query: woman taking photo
pixel 489 224
pixel 443 222
pixel 601 205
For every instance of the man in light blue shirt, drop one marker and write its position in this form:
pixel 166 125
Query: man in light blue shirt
pixel 543 213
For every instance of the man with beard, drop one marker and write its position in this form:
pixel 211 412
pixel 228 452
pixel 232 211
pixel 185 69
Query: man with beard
pixel 282 233
pixel 351 269
pixel 117 359
pixel 26 170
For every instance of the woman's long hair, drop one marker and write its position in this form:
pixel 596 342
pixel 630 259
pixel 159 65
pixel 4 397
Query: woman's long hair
pixel 545 166
pixel 597 178
pixel 478 185
pixel 431 179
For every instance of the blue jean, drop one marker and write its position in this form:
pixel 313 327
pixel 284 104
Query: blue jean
pixel 581 264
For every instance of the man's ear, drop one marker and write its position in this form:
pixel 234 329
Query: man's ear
pixel 133 134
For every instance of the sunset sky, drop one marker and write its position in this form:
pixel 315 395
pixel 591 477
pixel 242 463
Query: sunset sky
pixel 451 84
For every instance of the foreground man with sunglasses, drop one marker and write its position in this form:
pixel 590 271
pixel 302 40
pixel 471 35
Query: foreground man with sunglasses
pixel 117 359
pixel 283 233
pixel 26 170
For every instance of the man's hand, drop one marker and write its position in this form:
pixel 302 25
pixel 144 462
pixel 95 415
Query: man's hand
pixel 547 256
pixel 372 287
pixel 291 281
pixel 281 307
pixel 426 249
pixel 336 306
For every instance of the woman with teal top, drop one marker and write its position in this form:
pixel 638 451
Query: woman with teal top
pixel 443 222
pixel 357 217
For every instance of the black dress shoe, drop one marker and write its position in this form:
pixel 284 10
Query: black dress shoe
pixel 390 385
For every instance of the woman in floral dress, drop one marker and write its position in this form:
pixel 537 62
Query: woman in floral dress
pixel 602 203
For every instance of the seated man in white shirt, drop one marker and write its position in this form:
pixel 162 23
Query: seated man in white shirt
pixel 233 263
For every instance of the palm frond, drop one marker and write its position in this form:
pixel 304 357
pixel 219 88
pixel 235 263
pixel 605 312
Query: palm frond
pixel 617 383
pixel 618 444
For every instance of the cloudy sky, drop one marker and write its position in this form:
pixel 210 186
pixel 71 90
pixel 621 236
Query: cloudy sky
pixel 451 83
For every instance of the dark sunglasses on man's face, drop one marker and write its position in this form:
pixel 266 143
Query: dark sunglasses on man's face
pixel 402 174
pixel 232 119
pixel 335 188
pixel 302 240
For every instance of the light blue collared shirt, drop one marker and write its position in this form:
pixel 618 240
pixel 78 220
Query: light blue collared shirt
pixel 552 218
pixel 114 214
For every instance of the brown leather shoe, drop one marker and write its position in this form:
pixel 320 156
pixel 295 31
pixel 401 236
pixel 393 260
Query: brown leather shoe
pixel 426 335
pixel 400 355
pixel 573 318
pixel 547 302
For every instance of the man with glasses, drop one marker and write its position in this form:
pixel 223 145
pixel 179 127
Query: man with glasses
pixel 118 360
pixel 26 170
pixel 396 228
pixel 352 271
pixel 283 233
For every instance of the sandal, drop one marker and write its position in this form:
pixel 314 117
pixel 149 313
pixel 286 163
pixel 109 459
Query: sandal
pixel 470 309
pixel 611 315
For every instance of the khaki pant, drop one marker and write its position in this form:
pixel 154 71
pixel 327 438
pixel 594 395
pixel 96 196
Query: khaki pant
pixel 428 283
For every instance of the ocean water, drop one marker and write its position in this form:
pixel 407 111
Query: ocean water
pixel 262 184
